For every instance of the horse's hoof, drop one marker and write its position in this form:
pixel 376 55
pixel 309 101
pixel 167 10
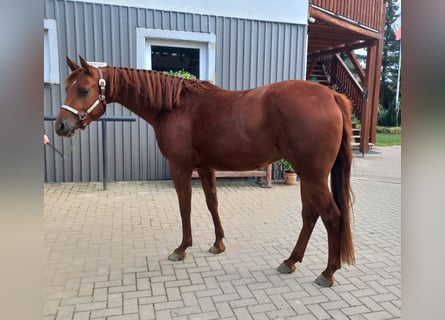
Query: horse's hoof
pixel 215 250
pixel 283 268
pixel 324 282
pixel 176 256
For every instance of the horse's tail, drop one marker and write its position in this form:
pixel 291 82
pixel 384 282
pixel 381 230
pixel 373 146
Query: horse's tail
pixel 340 181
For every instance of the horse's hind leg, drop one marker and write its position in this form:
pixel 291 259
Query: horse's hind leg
pixel 332 221
pixel 318 198
pixel 310 217
pixel 208 182
pixel 326 207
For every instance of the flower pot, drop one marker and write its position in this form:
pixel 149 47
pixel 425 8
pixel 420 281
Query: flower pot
pixel 290 178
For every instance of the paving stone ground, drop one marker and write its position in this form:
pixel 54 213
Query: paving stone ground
pixel 106 251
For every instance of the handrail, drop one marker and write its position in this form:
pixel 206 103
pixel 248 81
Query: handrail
pixel 345 81
pixel 104 121
pixel 362 12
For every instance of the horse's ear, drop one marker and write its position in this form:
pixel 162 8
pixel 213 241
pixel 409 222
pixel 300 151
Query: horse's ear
pixel 85 65
pixel 71 64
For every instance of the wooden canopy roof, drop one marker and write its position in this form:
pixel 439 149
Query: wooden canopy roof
pixel 333 32
pixel 343 26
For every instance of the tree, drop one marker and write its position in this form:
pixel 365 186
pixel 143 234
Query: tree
pixel 390 66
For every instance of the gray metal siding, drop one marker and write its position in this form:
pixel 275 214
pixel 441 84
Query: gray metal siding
pixel 249 54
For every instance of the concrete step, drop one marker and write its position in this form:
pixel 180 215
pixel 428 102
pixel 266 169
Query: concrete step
pixel 356 145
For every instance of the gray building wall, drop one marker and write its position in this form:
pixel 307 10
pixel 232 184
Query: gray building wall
pixel 249 54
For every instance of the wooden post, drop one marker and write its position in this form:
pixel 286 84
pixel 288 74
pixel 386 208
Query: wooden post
pixel 334 71
pixel 269 176
pixel 378 71
pixel 368 98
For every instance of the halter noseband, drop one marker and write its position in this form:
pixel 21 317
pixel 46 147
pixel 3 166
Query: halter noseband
pixel 83 114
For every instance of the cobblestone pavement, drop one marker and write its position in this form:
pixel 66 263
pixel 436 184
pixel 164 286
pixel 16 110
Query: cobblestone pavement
pixel 106 251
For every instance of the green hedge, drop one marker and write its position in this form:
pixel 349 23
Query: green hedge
pixel 391 130
pixel 181 73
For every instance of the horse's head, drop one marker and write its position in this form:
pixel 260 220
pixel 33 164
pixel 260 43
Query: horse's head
pixel 85 98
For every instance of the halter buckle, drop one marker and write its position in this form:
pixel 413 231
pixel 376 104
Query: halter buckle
pixel 82 116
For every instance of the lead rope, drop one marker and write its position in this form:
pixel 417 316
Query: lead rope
pixel 70 151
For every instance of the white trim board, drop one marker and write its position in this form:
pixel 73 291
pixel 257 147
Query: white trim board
pixel 51 52
pixel 287 11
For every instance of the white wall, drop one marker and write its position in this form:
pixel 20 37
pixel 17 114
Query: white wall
pixel 291 11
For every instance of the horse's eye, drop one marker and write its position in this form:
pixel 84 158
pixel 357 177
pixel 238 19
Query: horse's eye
pixel 83 92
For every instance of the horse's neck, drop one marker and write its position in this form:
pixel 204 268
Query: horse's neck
pixel 121 90
pixel 128 95
pixel 150 93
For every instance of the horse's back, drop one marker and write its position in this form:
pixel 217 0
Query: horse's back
pixel 289 119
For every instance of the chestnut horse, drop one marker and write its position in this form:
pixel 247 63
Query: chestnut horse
pixel 201 126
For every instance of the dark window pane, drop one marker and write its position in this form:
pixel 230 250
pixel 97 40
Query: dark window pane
pixel 174 59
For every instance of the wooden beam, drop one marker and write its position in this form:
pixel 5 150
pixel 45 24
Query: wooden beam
pixel 235 174
pixel 265 173
pixel 369 86
pixel 327 31
pixel 378 71
pixel 357 65
pixel 331 19
pixel 344 48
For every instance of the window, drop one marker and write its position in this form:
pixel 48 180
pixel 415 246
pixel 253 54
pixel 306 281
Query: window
pixel 50 52
pixel 166 58
pixel 166 50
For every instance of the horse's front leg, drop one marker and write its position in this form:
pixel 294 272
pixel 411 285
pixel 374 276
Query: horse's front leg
pixel 182 180
pixel 208 182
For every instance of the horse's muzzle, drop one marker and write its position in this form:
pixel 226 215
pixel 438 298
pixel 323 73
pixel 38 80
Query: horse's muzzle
pixel 65 127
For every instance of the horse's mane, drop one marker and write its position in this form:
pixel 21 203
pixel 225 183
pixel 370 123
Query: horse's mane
pixel 162 91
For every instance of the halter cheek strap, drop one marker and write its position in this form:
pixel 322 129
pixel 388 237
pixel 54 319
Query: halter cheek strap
pixel 83 114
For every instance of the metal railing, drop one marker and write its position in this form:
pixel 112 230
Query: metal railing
pixel 104 121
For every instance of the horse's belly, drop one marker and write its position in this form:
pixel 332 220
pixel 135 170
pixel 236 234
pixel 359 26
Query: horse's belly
pixel 236 157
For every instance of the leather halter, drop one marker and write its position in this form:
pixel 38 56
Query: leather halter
pixel 83 114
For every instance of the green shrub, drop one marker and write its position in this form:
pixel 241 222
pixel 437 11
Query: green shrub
pixel 285 165
pixel 386 117
pixel 390 130
pixel 181 73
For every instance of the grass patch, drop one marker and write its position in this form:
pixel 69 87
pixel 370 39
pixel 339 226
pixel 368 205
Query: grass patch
pixel 387 136
pixel 388 139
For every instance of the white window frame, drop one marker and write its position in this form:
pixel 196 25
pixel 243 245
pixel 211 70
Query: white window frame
pixel 205 42
pixel 51 52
